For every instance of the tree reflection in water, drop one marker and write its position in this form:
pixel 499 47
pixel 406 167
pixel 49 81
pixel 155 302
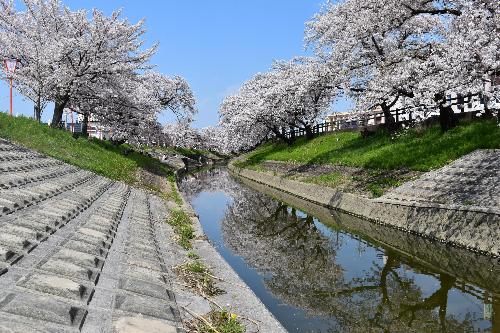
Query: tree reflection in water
pixel 300 266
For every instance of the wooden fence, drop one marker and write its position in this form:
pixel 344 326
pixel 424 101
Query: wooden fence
pixel 407 115
pixel 357 122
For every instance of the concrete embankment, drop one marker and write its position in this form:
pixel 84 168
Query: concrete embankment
pixel 456 205
pixel 82 253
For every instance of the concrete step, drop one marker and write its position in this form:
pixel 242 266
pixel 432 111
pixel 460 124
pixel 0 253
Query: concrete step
pixel 20 197
pixel 19 178
pixel 29 165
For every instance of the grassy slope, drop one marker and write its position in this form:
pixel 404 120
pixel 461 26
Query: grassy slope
pixel 416 150
pixel 99 156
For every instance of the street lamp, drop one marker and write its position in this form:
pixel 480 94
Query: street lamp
pixel 10 65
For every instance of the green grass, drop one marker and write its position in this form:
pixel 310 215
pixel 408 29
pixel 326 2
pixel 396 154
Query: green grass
pixel 183 227
pixel 196 267
pixel 174 193
pixel 115 162
pixel 193 255
pixel 421 150
pixel 223 321
pixel 380 186
pixel 331 179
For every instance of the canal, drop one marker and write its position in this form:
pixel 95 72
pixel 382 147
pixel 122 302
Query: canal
pixel 318 270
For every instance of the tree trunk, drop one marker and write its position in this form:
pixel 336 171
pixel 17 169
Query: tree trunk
pixel 495 320
pixel 292 133
pixel 281 136
pixel 38 110
pixel 447 118
pixel 38 114
pixel 390 123
pixel 488 114
pixel 58 112
pixel 85 124
pixel 309 132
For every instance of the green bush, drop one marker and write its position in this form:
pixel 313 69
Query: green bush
pixel 181 223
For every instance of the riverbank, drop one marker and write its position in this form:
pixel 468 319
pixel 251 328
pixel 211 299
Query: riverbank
pixel 237 297
pixel 463 224
pixel 371 166
pixel 337 272
pixel 92 240
pixel 467 266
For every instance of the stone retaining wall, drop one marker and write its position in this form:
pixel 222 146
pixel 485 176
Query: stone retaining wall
pixel 475 230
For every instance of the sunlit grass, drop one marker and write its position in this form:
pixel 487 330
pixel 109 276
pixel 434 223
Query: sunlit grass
pixel 421 150
pixel 112 161
pixel 181 223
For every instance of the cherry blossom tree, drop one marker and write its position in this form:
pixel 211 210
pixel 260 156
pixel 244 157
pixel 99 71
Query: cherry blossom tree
pixel 172 94
pixel 129 107
pixel 245 117
pixel 93 64
pixel 307 87
pixel 213 138
pixel 467 57
pixel 293 94
pixel 416 49
pixel 85 49
pixel 23 36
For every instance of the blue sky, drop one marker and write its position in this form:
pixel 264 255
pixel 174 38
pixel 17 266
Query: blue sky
pixel 216 45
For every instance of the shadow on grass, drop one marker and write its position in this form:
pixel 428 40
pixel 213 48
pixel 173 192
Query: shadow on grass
pixel 416 149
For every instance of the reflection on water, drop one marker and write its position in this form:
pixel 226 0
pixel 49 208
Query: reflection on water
pixel 327 276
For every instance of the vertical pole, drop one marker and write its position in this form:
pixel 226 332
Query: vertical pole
pixel 495 320
pixel 11 97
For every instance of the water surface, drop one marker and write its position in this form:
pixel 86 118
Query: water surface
pixel 324 271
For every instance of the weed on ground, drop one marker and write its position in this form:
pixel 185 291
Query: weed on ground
pixel 198 277
pixel 216 321
pixel 183 227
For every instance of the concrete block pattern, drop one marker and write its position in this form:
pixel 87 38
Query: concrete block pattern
pixel 78 252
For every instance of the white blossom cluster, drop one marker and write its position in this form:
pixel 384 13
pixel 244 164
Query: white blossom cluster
pixel 377 53
pixel 417 49
pixel 91 63
pixel 292 94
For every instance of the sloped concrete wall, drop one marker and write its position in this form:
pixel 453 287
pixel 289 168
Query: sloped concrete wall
pixel 476 230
